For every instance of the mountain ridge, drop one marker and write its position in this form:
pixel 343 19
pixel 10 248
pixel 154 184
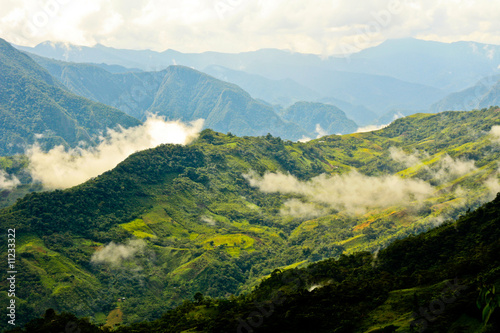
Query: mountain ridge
pixel 259 62
pixel 33 102
pixel 178 92
pixel 208 223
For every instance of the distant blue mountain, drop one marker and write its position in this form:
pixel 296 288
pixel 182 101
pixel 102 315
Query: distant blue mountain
pixel 409 74
pixel 448 66
pixel 401 74
pixel 284 92
pixel 485 93
pixel 179 92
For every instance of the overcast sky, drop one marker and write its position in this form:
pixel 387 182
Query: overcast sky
pixel 320 27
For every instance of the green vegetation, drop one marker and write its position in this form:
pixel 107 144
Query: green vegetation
pixel 207 230
pixel 330 118
pixel 16 166
pixel 34 107
pixel 427 282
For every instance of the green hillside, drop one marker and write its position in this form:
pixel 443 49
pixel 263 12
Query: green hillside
pixel 174 221
pixel 179 92
pixel 440 281
pixel 187 94
pixel 35 107
pixel 329 118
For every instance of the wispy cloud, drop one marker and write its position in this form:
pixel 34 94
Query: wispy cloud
pixel 115 255
pixel 322 27
pixel 444 169
pixel 352 193
pixel 8 182
pixel 371 128
pixel 304 210
pixel 60 168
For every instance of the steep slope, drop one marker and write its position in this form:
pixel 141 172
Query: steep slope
pixel 131 92
pixel 200 218
pixel 188 94
pixel 33 104
pixel 378 93
pixel 360 114
pixel 483 94
pixel 447 66
pixel 319 118
pixel 177 93
pixel 440 281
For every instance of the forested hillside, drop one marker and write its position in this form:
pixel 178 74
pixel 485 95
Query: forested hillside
pixel 440 281
pixel 35 107
pixel 218 215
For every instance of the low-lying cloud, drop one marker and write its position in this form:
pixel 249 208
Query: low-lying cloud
pixel 443 170
pixel 115 254
pixel 60 168
pixel 303 210
pixel 208 220
pixel 320 132
pixel 353 192
pixel 495 132
pixel 407 160
pixel 8 182
pixel 371 128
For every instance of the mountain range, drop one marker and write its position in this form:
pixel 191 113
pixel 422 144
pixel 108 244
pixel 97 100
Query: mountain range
pixel 421 72
pixel 219 215
pixel 448 66
pixel 35 107
pixel 243 229
pixel 183 93
pixel 485 93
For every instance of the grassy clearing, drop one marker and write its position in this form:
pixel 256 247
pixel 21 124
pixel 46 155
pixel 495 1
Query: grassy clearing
pixel 139 229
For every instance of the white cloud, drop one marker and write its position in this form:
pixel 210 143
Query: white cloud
pixel 493 185
pixel 445 169
pixel 208 220
pixel 370 128
pixel 495 133
pixel 115 254
pixel 8 182
pixel 299 209
pixel 401 156
pixel 304 139
pixel 353 193
pixel 319 27
pixel 450 168
pixel 58 168
pixel 320 131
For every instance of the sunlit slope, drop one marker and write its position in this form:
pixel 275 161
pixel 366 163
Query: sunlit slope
pixel 208 223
